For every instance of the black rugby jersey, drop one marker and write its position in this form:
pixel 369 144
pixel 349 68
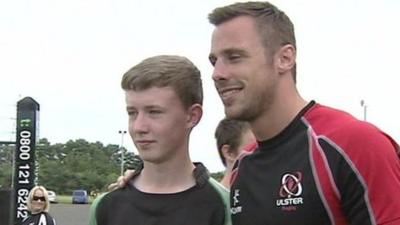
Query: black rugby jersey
pixel 326 167
pixel 207 203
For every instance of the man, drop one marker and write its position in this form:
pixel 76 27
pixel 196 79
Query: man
pixel 232 137
pixel 315 165
pixel 164 103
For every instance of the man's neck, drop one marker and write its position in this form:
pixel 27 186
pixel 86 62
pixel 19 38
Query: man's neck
pixel 278 116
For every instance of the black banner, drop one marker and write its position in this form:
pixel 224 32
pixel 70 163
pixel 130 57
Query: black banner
pixel 24 166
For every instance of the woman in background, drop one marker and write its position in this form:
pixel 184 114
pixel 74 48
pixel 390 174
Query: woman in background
pixel 38 206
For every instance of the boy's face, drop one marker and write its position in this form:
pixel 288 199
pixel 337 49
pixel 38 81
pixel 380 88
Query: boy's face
pixel 158 123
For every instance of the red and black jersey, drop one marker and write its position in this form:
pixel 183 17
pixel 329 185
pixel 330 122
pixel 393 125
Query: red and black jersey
pixel 326 167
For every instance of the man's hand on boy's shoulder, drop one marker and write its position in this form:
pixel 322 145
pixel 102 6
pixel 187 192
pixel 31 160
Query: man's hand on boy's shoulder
pixel 122 181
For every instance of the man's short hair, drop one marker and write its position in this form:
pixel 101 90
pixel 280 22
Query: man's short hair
pixel 275 27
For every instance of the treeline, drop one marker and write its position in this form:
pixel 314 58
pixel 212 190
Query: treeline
pixel 76 164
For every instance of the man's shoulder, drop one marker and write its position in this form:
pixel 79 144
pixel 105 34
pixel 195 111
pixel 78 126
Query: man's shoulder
pixel 335 123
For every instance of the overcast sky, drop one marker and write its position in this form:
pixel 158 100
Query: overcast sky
pixel 69 55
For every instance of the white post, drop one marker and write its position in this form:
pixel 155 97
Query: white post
pixel 364 105
pixel 122 132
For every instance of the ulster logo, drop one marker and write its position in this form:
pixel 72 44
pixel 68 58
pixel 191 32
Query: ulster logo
pixel 291 185
pixel 290 191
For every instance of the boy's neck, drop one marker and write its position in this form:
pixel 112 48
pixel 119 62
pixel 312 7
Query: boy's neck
pixel 168 177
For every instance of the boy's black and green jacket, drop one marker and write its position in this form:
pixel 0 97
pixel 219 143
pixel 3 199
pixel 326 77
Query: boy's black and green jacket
pixel 206 203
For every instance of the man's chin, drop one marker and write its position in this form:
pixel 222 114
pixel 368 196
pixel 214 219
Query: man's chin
pixel 231 113
pixel 239 114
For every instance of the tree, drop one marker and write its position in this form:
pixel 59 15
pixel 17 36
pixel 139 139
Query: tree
pixel 6 162
pixel 77 164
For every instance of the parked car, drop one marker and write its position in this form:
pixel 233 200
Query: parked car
pixel 52 197
pixel 80 197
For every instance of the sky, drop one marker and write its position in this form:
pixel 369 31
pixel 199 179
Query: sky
pixel 70 56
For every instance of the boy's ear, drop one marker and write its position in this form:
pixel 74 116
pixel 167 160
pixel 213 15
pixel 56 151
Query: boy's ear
pixel 195 112
pixel 285 58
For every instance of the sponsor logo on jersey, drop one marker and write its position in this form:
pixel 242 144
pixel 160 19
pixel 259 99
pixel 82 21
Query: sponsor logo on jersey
pixel 236 208
pixel 290 191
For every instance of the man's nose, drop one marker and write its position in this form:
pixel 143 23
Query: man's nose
pixel 220 71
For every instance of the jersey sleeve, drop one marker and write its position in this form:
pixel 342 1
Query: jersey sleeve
pixel 366 169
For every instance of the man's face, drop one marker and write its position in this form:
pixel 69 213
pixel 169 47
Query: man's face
pixel 243 75
pixel 157 123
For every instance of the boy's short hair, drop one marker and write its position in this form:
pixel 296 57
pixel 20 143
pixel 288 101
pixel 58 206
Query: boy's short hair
pixel 173 71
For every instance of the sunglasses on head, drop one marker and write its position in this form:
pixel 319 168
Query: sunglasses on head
pixel 37 198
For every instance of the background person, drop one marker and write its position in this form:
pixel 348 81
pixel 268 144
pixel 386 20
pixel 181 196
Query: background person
pixel 38 206
pixel 315 164
pixel 232 137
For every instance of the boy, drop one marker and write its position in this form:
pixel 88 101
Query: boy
pixel 164 103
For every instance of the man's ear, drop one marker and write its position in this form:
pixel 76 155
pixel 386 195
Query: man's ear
pixel 195 112
pixel 285 58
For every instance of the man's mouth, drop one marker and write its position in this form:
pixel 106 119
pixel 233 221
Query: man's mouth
pixel 229 92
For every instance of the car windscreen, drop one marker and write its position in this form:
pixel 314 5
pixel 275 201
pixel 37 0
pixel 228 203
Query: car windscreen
pixel 79 193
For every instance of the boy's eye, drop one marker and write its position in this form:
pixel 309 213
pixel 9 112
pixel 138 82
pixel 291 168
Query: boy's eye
pixel 155 112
